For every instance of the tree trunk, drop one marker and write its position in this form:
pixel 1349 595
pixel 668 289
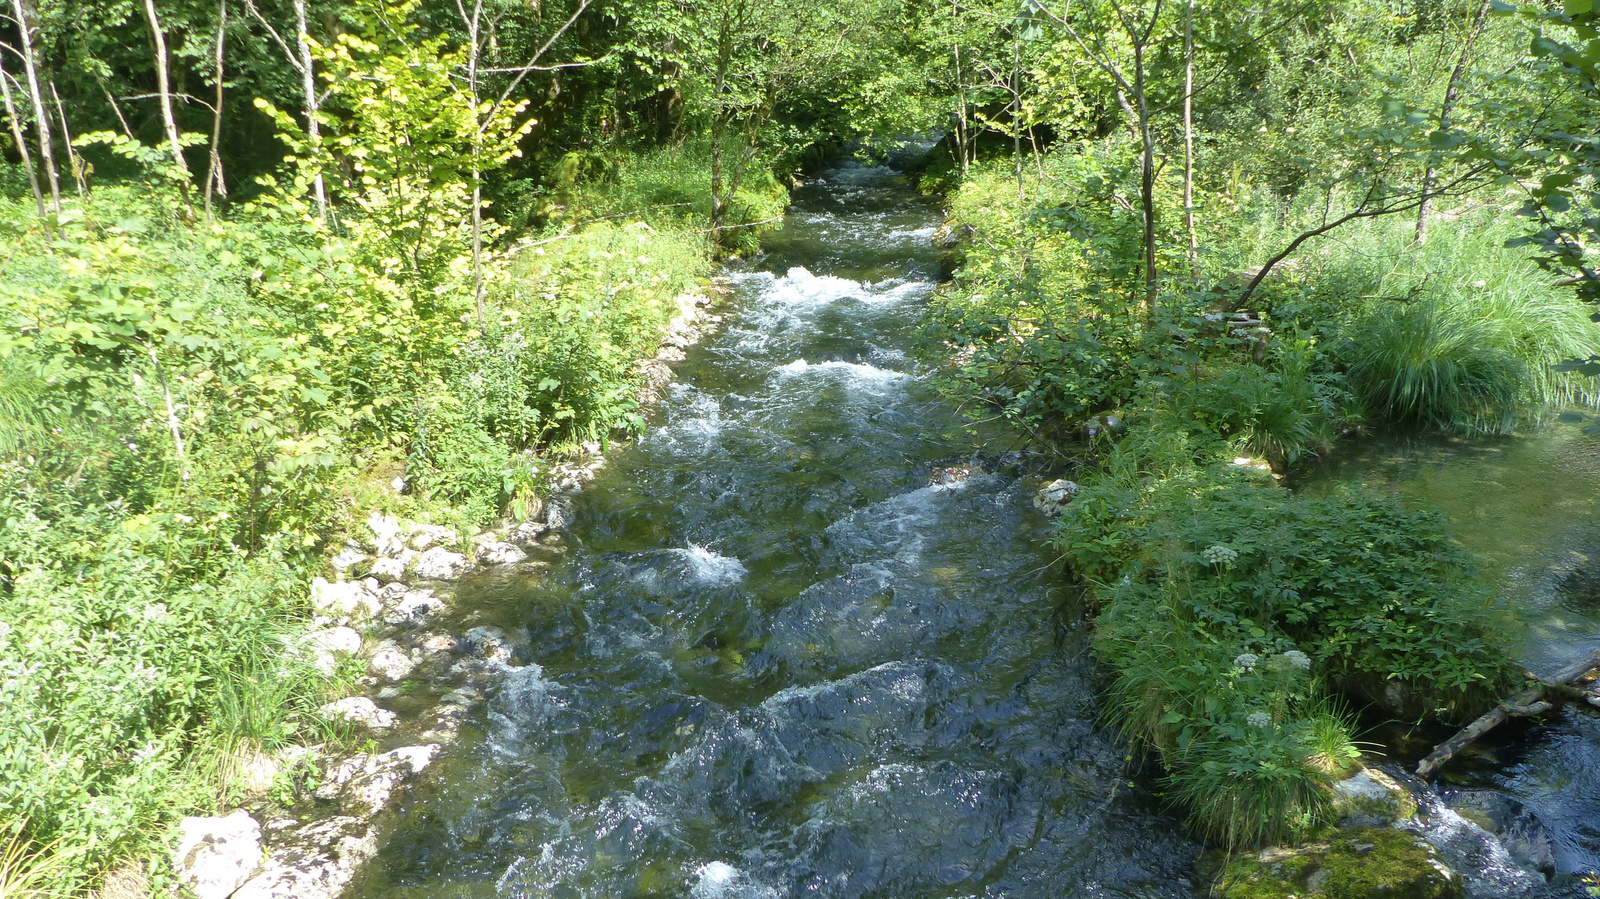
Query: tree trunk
pixel 1147 179
pixel 74 161
pixel 1452 92
pixel 308 85
pixel 1528 703
pixel 719 210
pixel 1188 137
pixel 163 88
pixel 16 135
pixel 1016 111
pixel 474 49
pixel 41 119
pixel 214 180
pixel 963 129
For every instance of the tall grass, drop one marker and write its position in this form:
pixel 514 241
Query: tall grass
pixel 30 871
pixel 1461 334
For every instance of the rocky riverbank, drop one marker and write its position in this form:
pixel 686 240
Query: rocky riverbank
pixel 389 607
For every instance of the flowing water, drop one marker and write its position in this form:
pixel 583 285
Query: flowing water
pixel 789 655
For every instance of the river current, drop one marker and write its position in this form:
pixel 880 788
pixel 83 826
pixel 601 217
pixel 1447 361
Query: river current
pixel 790 653
pixel 808 640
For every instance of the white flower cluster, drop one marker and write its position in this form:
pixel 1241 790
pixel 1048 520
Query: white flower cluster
pixel 1259 719
pixel 1246 660
pixel 1219 555
pixel 1298 659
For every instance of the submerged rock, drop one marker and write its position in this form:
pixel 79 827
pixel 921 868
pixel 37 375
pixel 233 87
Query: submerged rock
pixel 1054 496
pixel 215 856
pixel 1371 798
pixel 1520 831
pixel 1360 863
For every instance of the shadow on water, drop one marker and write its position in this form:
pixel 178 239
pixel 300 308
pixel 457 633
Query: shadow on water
pixel 780 660
pixel 1529 509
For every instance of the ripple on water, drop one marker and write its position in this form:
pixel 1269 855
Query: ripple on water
pixel 775 663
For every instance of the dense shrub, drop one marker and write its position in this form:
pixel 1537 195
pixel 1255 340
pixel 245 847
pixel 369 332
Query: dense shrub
pixel 190 415
pixel 1233 614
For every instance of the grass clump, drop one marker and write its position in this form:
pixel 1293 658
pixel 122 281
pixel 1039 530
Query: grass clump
pixel 1461 334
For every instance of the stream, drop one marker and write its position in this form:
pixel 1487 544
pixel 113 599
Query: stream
pixel 808 642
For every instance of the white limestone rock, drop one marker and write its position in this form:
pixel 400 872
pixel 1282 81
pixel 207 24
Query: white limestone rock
pixel 364 784
pixel 1054 497
pixel 390 662
pixel 346 601
pixel 526 534
pixel 413 608
pixel 360 711
pixel 500 554
pixel 386 534
pixel 316 860
pixel 348 558
pixel 423 537
pixel 215 856
pixel 389 569
pixel 440 564
pixel 328 646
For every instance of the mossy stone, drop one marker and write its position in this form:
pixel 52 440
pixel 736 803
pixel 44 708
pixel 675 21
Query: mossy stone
pixel 1359 863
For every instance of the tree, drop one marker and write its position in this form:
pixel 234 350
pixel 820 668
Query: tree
pixel 743 59
pixel 1116 38
pixel 28 29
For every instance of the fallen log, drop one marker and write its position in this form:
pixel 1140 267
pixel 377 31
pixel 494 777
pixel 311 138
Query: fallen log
pixel 1535 701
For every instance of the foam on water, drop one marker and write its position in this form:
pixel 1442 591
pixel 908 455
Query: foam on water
pixel 801 290
pixel 856 373
pixel 720 880
pixel 710 567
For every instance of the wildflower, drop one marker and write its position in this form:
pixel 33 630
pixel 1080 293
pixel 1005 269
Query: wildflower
pixel 1298 659
pixel 1219 555
pixel 1259 719
pixel 1246 660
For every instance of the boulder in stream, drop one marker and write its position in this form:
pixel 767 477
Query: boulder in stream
pixel 1371 798
pixel 215 856
pixel 1359 863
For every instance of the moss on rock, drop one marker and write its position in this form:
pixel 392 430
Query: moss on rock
pixel 1359 863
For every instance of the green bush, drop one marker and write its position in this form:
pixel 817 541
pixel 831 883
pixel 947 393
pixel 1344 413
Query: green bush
pixel 1233 614
pixel 117 667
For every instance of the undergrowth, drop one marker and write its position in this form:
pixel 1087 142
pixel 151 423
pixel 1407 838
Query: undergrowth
pixel 1240 620
pixel 191 417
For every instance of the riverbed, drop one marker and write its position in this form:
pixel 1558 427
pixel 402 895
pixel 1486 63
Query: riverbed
pixel 808 641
